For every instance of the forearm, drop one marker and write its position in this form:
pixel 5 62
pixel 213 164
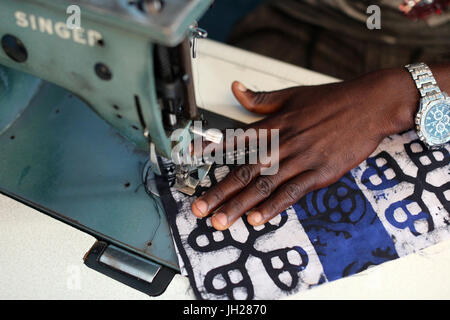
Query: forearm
pixel 442 75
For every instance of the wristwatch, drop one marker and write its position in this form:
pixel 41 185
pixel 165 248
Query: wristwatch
pixel 433 118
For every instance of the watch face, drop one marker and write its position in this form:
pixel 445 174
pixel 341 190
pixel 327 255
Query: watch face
pixel 436 122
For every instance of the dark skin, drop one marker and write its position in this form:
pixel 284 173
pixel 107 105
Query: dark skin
pixel 325 131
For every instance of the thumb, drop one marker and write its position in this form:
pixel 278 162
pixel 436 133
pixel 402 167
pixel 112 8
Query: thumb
pixel 260 102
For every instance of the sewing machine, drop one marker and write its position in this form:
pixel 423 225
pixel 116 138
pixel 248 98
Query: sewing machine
pixel 85 113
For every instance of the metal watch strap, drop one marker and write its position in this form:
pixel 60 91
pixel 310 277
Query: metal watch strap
pixel 425 81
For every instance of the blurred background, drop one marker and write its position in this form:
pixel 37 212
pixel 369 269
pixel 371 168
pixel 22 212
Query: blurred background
pixel 331 36
pixel 224 14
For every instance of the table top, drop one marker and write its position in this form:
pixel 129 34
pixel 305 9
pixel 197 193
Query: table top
pixel 42 258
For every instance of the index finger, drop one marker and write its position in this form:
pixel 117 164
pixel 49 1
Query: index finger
pixel 235 181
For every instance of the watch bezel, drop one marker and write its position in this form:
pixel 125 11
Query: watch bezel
pixel 425 106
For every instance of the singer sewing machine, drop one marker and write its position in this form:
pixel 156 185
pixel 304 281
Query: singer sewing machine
pixel 85 113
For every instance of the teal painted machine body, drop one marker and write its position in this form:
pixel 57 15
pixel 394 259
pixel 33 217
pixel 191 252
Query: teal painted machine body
pixel 61 158
pixel 72 144
pixel 68 57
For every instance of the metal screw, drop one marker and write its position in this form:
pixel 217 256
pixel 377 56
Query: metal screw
pixel 151 6
pixel 212 135
pixel 196 33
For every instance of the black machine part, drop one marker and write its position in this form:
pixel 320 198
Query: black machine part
pixel 129 269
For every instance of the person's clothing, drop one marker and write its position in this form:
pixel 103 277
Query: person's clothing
pixel 331 36
pixel 393 18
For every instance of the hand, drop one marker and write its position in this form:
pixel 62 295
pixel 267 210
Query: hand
pixel 325 131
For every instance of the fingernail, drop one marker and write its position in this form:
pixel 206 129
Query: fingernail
pixel 241 87
pixel 221 219
pixel 255 217
pixel 202 207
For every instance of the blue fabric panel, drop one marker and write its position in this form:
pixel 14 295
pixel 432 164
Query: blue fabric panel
pixel 344 229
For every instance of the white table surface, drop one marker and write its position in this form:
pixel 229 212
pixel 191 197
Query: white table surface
pixel 41 258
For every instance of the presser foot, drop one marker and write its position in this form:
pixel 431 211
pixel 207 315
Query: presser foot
pixel 184 178
pixel 188 178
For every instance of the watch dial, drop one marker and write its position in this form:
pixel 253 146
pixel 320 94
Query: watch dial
pixel 437 121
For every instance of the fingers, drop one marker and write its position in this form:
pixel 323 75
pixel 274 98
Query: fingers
pixel 232 184
pixel 287 195
pixel 260 102
pixel 239 179
pixel 257 191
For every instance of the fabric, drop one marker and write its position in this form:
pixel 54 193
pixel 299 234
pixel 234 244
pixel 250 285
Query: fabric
pixel 357 10
pixel 350 17
pixel 322 38
pixel 395 203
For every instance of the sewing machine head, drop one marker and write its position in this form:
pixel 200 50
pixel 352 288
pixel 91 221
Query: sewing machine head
pixel 130 61
pixel 91 94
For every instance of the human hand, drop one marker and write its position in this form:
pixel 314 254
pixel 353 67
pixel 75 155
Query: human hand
pixel 325 131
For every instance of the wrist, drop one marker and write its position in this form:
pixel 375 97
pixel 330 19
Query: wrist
pixel 402 100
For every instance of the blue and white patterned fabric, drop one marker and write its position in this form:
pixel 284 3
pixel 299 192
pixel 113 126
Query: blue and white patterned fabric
pixel 395 203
